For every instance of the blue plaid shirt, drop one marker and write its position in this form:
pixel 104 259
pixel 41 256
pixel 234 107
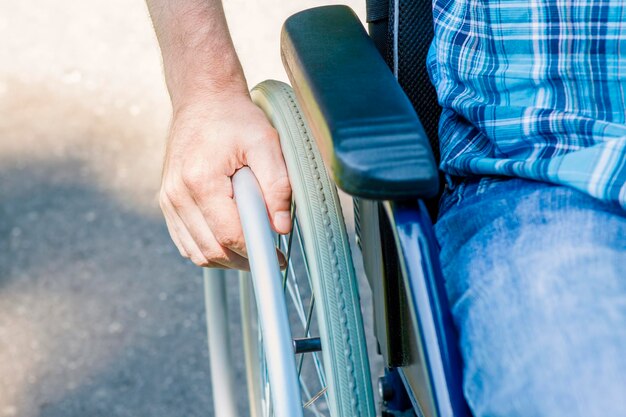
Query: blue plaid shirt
pixel 533 89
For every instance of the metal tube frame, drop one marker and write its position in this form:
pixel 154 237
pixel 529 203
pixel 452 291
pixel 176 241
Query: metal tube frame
pixel 222 375
pixel 272 310
pixel 249 329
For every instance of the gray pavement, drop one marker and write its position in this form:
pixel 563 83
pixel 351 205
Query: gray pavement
pixel 99 316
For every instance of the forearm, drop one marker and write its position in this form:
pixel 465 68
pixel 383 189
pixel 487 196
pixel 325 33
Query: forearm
pixel 216 129
pixel 199 59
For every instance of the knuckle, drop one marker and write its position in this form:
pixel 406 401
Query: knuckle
pixel 213 253
pixel 194 179
pixel 217 256
pixel 172 194
pixel 228 239
pixel 199 260
pixel 281 188
pixel 207 248
pixel 265 135
pixel 269 133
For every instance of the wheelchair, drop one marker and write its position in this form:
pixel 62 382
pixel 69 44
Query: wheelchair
pixel 358 115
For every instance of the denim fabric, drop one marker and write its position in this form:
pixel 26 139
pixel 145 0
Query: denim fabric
pixel 536 276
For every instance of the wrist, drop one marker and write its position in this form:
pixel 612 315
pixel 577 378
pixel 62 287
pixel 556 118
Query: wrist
pixel 210 105
pixel 207 94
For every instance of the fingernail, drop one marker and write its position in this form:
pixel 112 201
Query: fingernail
pixel 282 259
pixel 282 221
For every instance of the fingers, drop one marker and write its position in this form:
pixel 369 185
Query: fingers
pixel 190 230
pixel 268 166
pixel 172 228
pixel 186 246
pixel 221 215
pixel 212 193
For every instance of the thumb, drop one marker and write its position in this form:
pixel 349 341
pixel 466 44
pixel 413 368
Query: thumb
pixel 269 168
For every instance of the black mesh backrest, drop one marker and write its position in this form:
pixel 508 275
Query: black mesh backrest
pixel 408 41
pixel 405 46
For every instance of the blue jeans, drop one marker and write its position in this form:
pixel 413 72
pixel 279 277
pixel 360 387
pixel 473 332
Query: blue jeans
pixel 536 277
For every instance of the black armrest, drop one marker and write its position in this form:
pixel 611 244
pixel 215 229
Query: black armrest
pixel 365 126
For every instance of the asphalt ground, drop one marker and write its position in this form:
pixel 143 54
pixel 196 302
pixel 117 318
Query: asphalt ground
pixel 99 316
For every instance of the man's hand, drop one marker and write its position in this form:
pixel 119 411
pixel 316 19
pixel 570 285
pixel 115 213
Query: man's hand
pixel 208 144
pixel 216 130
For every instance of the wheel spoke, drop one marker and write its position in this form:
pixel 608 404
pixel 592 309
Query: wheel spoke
pixel 294 293
pixel 282 238
pixel 307 393
pixel 316 360
pixel 319 369
pixel 296 230
pixel 309 316
pixel 306 332
pixel 315 398
pixel 291 283
pixel 291 286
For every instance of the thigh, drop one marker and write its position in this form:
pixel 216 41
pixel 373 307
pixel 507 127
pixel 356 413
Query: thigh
pixel 536 276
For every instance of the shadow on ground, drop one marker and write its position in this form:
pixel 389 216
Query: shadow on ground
pixel 99 315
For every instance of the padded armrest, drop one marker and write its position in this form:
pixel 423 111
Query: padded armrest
pixel 365 126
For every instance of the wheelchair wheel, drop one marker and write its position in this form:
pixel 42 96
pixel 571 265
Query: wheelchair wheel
pixel 320 284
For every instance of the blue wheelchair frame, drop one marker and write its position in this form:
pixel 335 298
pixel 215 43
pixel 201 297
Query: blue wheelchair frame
pixel 436 340
pixel 373 144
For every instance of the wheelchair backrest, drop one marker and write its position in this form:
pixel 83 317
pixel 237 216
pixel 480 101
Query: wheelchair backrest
pixel 403 31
